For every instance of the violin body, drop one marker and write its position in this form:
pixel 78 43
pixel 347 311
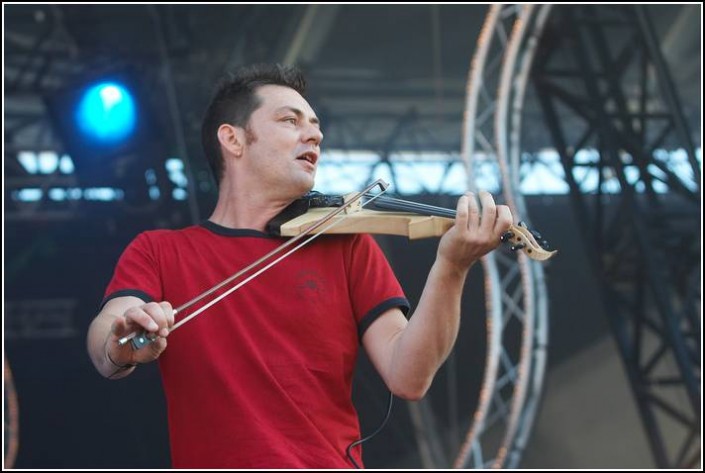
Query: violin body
pixel 372 221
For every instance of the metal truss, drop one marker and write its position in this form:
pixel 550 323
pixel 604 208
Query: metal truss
pixel 515 289
pixel 613 92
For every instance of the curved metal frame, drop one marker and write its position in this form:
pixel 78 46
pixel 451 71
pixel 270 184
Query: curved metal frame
pixel 515 290
pixel 11 418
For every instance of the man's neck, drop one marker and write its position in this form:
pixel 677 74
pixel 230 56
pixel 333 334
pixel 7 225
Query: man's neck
pixel 254 211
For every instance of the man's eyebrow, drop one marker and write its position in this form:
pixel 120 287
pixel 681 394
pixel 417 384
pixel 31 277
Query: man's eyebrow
pixel 298 113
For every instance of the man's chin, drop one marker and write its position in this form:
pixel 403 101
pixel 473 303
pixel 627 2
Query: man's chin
pixel 309 183
pixel 303 186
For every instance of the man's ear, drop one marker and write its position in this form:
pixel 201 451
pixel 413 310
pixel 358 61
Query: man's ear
pixel 231 138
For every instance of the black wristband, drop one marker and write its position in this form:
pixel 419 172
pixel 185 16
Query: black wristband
pixel 120 367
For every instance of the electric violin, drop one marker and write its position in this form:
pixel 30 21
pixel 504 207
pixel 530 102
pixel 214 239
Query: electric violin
pixel 315 214
pixel 391 216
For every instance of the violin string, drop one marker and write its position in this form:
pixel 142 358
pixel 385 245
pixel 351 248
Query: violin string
pixel 405 205
pixel 399 203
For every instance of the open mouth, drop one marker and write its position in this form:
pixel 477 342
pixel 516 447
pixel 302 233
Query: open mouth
pixel 309 157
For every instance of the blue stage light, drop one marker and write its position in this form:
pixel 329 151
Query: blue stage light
pixel 107 113
pixel 106 125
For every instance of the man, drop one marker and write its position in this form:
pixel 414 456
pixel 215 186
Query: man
pixel 263 379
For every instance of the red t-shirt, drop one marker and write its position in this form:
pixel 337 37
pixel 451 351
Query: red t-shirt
pixel 263 378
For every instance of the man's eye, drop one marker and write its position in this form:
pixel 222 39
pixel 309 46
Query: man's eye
pixel 290 120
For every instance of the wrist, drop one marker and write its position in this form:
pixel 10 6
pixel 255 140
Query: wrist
pixel 118 366
pixel 126 366
pixel 450 269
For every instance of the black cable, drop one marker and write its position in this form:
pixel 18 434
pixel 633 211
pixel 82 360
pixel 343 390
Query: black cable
pixel 358 442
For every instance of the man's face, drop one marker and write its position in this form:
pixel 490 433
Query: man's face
pixel 283 139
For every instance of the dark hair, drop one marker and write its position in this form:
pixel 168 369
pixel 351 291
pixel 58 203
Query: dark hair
pixel 235 99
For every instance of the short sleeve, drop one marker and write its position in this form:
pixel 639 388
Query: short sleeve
pixel 374 288
pixel 137 272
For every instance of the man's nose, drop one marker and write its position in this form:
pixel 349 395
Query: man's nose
pixel 313 133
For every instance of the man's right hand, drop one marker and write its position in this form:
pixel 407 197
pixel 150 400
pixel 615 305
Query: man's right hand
pixel 155 319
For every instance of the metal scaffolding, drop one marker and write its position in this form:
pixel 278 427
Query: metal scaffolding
pixel 618 98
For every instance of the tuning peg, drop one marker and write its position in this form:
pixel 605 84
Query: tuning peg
pixel 518 247
pixel 506 236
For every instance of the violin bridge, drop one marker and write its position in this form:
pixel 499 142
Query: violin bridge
pixel 353 207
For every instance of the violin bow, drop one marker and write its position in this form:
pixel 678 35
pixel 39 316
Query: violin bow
pixel 138 340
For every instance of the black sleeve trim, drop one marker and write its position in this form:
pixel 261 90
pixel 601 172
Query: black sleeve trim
pixel 380 309
pixel 127 292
